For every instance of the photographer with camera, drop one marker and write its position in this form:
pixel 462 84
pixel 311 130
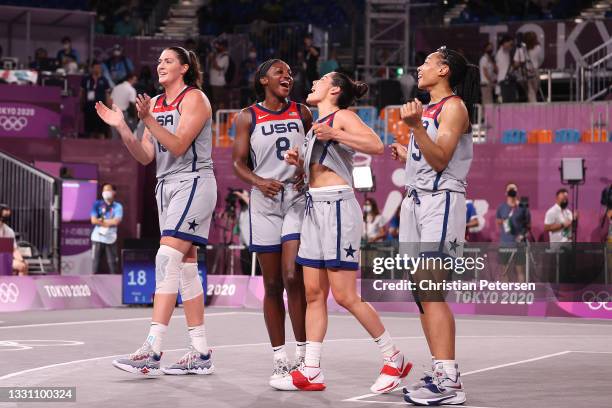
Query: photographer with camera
pixel 527 59
pixel 514 219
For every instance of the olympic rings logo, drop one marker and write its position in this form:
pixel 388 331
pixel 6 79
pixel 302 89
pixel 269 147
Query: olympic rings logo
pixel 9 293
pixel 15 123
pixel 599 300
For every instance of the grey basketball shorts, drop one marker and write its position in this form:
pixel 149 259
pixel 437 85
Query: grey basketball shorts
pixel 185 205
pixel 275 220
pixel 331 231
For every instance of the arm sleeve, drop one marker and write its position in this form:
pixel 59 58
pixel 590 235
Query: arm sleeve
pixel 119 211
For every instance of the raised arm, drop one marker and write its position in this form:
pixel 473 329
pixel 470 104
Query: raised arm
pixel 350 130
pixel 240 157
pixel 141 150
pixel 195 111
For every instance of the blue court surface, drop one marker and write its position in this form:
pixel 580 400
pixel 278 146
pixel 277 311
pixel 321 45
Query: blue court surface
pixel 505 362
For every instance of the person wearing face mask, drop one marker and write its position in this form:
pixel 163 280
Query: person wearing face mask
pixel 558 219
pixel 20 267
pixel 373 224
pixel 514 221
pixel 106 215
pixel 488 71
pixel 117 67
pixel 67 52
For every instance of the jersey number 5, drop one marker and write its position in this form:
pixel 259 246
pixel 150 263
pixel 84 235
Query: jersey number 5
pixel 417 156
pixel 282 145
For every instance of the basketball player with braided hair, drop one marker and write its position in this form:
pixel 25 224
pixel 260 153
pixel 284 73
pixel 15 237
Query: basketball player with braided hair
pixel 432 218
pixel 264 132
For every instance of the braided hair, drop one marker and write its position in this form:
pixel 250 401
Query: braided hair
pixel 464 79
pixel 261 72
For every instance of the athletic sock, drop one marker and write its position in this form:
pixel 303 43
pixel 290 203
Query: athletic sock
pixel 449 367
pixel 300 349
pixel 198 339
pixel 156 335
pixel 312 358
pixel 386 345
pixel 280 353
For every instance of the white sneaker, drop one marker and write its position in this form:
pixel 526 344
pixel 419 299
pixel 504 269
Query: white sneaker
pixel 391 375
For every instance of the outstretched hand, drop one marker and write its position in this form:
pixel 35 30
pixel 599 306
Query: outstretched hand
pixel 112 117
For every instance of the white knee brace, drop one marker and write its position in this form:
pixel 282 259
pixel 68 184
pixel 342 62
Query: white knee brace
pixel 167 270
pixel 190 284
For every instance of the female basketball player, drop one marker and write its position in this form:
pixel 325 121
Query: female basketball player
pixel 433 213
pixel 178 136
pixel 331 231
pixel 264 132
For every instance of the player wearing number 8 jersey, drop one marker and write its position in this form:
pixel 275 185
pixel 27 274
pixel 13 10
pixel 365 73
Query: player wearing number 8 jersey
pixel 264 133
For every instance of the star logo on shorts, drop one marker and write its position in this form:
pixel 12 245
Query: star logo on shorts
pixel 193 225
pixel 350 251
pixel 453 245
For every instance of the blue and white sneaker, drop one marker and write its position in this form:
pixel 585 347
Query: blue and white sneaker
pixel 443 390
pixel 142 361
pixel 426 379
pixel 193 362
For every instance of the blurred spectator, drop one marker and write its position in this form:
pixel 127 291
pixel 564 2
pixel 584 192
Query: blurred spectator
pixel 20 267
pixel 471 217
pixel 42 62
pixel 408 84
pixel 373 223
pixel 146 83
pixel 125 27
pixel 393 230
pixel 329 65
pixel 528 58
pixel 311 55
pixel 514 221
pixel 487 74
pixel 67 53
pixel 219 63
pixel 94 87
pixel 124 96
pixel 117 67
pixel 558 219
pixel 106 215
pixel 100 27
pixel 298 93
pixel 243 226
pixel 502 62
pixel 247 78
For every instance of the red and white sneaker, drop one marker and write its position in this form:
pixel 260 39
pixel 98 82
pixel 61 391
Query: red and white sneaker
pixel 391 375
pixel 303 378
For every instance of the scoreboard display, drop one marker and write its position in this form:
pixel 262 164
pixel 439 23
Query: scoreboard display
pixel 138 282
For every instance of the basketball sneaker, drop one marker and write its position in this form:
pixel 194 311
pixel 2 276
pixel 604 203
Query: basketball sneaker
pixel 443 390
pixel 192 362
pixel 302 379
pixel 426 379
pixel 299 360
pixel 394 369
pixel 142 361
pixel 280 370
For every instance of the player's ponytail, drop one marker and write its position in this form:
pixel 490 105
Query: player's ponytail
pixel 261 72
pixel 193 76
pixel 464 79
pixel 350 90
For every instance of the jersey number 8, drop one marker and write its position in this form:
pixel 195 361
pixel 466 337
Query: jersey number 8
pixel 282 145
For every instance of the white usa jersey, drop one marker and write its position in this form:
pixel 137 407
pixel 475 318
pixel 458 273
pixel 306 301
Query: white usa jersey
pixel 195 159
pixel 421 176
pixel 272 134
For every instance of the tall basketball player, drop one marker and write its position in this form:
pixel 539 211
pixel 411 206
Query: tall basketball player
pixel 331 231
pixel 432 218
pixel 177 135
pixel 264 132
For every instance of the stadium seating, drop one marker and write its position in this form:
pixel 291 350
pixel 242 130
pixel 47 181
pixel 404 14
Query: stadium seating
pixel 567 136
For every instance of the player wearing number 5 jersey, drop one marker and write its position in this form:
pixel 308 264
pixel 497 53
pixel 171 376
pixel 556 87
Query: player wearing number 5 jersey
pixel 264 133
pixel 432 217
pixel 177 134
